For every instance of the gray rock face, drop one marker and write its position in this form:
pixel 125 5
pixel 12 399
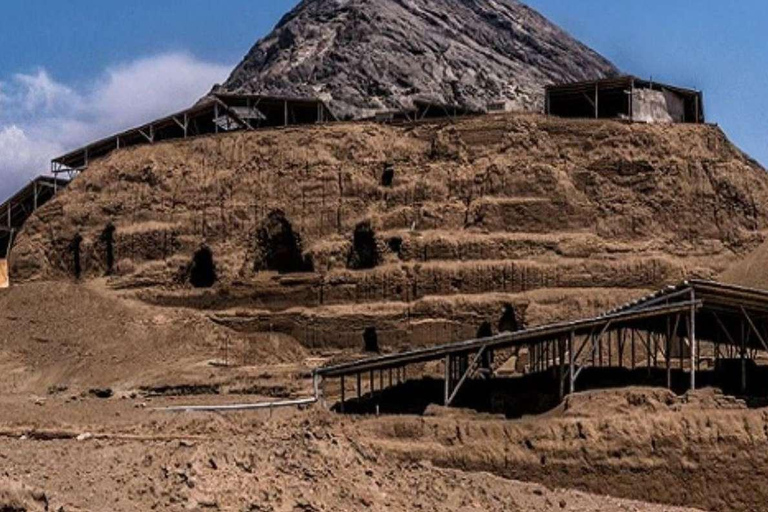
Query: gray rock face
pixel 363 56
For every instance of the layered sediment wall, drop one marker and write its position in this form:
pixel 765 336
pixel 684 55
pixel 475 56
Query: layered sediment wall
pixel 422 231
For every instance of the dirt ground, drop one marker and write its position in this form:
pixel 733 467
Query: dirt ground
pixel 85 372
pixel 550 219
pixel 116 454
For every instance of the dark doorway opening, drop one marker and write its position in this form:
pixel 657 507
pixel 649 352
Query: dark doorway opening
pixel 485 330
pixel 395 245
pixel 203 271
pixel 371 340
pixel 365 252
pixel 509 322
pixel 388 176
pixel 108 239
pixel 280 246
pixel 75 249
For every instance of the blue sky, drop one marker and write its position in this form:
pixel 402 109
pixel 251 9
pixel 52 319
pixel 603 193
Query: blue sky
pixel 64 65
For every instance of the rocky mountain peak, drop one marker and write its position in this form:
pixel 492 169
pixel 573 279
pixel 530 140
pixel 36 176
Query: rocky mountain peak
pixel 365 56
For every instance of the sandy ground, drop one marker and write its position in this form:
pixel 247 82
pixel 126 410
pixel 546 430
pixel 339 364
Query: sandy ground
pixel 120 454
pixel 62 447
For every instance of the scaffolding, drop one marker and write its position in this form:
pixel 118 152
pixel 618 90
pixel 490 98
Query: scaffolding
pixel 217 113
pixel 15 211
pixel 663 331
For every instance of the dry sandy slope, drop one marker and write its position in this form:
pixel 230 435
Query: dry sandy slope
pixel 56 335
pixel 295 460
pixel 752 271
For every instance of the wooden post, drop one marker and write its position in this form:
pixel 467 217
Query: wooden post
pixel 632 341
pixel 447 383
pixel 696 106
pixel 359 386
pixel 561 366
pixel 571 363
pixel 343 394
pixel 743 358
pixel 285 112
pixel 667 354
pixel 692 335
pixel 600 350
pixel 610 349
pixel 597 100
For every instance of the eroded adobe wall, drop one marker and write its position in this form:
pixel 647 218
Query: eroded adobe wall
pixel 375 218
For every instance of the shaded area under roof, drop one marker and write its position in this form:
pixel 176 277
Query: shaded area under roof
pixel 215 114
pixel 15 211
pixel 617 97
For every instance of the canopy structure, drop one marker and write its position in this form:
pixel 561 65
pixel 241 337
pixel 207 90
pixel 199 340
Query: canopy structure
pixel 625 97
pixel 662 330
pixel 423 109
pixel 217 113
pixel 15 211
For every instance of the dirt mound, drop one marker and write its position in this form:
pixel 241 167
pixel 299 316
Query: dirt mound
pixel 555 218
pixel 369 55
pixel 624 401
pixel 62 337
pixel 645 401
pixel 16 497
pixel 642 451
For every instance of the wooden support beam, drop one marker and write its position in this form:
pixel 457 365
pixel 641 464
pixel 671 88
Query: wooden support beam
pixel 597 101
pixel 561 366
pixel 343 394
pixel 447 377
pixel 470 368
pixel 359 386
pixel 742 355
pixel 571 362
pixel 754 329
pixel 149 136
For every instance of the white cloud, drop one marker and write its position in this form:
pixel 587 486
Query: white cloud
pixel 41 118
pixel 42 94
